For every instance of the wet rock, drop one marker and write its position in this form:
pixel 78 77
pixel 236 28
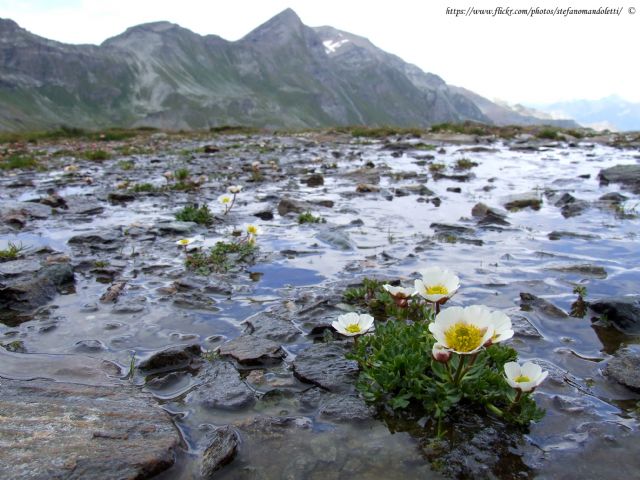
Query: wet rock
pixel 66 430
pixel 271 326
pixel 581 269
pixel 180 228
pixel 367 188
pixel 345 408
pixel 173 358
pixel 274 427
pixel 622 312
pixel 26 294
pixel 107 240
pixel 624 368
pixel 220 386
pixel 19 267
pixel 78 205
pixel 194 300
pixel 559 234
pixel 570 206
pixel 289 205
pixel 613 198
pixel 522 200
pixel 486 215
pixel 325 365
pixel 315 180
pixel 89 346
pixel 120 197
pixel 338 239
pixel 17 346
pixel 462 177
pixel 252 350
pixel 627 175
pixel 264 215
pixel 529 302
pixel 130 305
pixel 451 229
pixel 222 448
pixel 454 189
pixel 26 210
pixel 523 327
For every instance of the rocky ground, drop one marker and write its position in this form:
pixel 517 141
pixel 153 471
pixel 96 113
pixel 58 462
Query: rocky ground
pixel 118 361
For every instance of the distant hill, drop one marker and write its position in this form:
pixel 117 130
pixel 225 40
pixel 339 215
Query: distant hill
pixel 613 113
pixel 282 74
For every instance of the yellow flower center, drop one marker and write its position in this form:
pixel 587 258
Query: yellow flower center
pixel 522 379
pixel 437 290
pixel 225 200
pixel 463 337
pixel 353 328
pixel 184 241
pixel 252 229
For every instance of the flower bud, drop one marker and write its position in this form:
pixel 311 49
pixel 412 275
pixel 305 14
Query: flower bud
pixel 440 353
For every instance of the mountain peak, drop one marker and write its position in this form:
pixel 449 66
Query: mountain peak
pixel 277 28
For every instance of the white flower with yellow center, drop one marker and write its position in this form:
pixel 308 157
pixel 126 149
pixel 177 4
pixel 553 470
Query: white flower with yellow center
pixel 252 229
pixel 352 324
pixel 399 292
pixel 233 189
pixel 525 377
pixel 225 200
pixel 463 330
pixel 437 284
pixel 184 242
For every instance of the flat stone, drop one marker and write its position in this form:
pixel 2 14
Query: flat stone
pixel 452 229
pixel 108 240
pixel 222 447
pixel 338 239
pixel 79 205
pixel 18 267
pixel 580 269
pixel 66 430
pixel 221 387
pixel 345 408
pixel 559 234
pixel 626 175
pixel 622 312
pixel 173 358
pixel 624 367
pixel 523 327
pixel 252 350
pixel 325 365
pixel 271 326
pixel 522 200
pixel 175 227
pixel 314 180
pixel 529 302
pixel 289 205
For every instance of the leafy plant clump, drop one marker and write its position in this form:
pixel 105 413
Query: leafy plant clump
pixel 97 155
pixel 193 213
pixel 222 257
pixel 12 252
pixel 308 217
pixel 18 160
pixel 465 164
pixel 401 369
pixel 143 188
pixel 549 134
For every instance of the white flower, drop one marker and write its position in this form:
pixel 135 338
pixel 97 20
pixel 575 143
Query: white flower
pixel 526 377
pixel 437 284
pixel 502 328
pixel 225 199
pixel 351 324
pixel 183 242
pixel 252 229
pixel 463 330
pixel 234 189
pixel 440 353
pixel 399 292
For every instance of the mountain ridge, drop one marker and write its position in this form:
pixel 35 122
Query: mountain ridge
pixel 159 74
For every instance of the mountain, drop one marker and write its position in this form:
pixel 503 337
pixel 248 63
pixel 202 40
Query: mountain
pixel 613 113
pixel 282 74
pixel 503 114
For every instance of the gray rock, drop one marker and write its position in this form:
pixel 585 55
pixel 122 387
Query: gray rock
pixel 89 346
pixel 107 240
pixel 173 358
pixel 31 292
pixel 221 387
pixel 66 430
pixel 529 302
pixel 271 326
pixel 176 227
pixel 315 180
pixel 335 238
pixel 622 312
pixel 451 229
pixel 522 200
pixel 222 447
pixel 559 234
pixel 130 305
pixel 79 205
pixel 624 368
pixel 19 267
pixel 627 175
pixel 289 205
pixel 345 408
pixel 252 350
pixel 367 188
pixel 274 427
pixel 325 365
pixel 581 269
pixel 523 327
pixel 613 198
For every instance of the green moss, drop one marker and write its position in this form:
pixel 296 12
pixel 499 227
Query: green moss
pixel 465 164
pixel 17 161
pixel 12 252
pixel 308 217
pixel 222 257
pixel 96 155
pixel 192 213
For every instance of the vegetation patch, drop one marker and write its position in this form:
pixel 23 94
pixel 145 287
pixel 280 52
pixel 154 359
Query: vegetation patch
pixel 222 257
pixel 12 252
pixel 193 213
pixel 465 164
pixel 18 161
pixel 96 155
pixel 308 217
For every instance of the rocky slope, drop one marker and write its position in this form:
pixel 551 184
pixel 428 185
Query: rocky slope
pixel 282 74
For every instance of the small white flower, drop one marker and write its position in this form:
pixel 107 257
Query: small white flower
pixel 184 242
pixel 399 292
pixel 502 328
pixel 526 377
pixel 233 189
pixel 463 330
pixel 352 324
pixel 440 353
pixel 252 229
pixel 437 284
pixel 225 199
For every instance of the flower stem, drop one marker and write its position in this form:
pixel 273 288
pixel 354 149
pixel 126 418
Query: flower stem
pixel 492 408
pixel 459 370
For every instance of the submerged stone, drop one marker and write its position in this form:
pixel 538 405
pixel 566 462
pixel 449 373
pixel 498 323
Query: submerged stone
pixel 325 365
pixel 622 312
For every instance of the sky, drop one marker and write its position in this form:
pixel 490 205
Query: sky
pixel 517 58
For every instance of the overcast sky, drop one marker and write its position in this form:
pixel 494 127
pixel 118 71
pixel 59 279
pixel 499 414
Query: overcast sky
pixel 517 59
